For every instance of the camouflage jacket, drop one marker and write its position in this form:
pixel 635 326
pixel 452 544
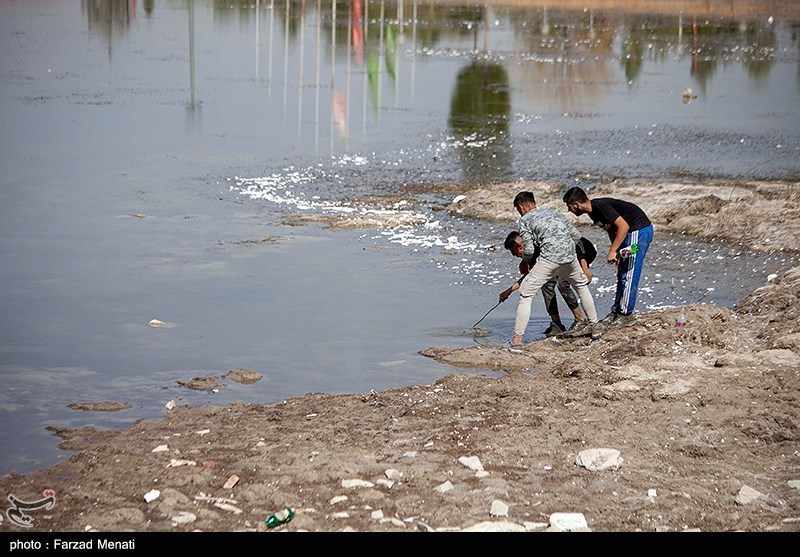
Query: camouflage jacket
pixel 548 234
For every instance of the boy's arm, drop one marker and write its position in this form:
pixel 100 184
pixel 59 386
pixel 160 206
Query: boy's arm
pixel 586 271
pixel 622 231
pixel 510 290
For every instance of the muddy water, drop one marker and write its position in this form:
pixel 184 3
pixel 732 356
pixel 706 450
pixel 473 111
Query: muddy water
pixel 157 155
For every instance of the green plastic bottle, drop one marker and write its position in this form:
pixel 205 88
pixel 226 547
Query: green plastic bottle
pixel 281 517
pixel 628 251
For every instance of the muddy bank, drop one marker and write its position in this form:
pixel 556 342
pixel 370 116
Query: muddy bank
pixel 762 216
pixel 705 420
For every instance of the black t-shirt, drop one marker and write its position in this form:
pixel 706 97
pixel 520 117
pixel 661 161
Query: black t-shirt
pixel 605 211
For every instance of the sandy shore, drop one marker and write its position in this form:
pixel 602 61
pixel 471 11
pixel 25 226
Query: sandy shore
pixel 696 428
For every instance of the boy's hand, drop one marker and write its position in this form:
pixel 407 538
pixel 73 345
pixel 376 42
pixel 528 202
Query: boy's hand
pixel 524 267
pixel 504 295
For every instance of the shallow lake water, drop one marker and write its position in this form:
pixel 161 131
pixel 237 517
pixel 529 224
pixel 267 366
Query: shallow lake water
pixel 156 156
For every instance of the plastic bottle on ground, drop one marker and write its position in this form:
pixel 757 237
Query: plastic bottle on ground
pixel 681 322
pixel 281 517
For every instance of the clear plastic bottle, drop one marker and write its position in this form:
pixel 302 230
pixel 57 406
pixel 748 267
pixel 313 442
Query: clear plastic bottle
pixel 281 517
pixel 681 322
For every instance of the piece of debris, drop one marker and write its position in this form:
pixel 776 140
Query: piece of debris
pixel 174 462
pixel 160 449
pixel 568 522
pixel 231 482
pixel 152 495
pixel 499 508
pixel 747 495
pixel 599 459
pixel 228 507
pixel 156 323
pixel 184 517
pixel 170 405
pixel 356 483
pixel 495 526
pixel 471 462
pixel 444 487
pixel 393 474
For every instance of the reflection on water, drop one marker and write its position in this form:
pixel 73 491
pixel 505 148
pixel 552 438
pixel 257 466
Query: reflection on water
pixel 548 74
pixel 152 149
pixel 479 116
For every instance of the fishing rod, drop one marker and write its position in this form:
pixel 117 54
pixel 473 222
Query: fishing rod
pixel 487 313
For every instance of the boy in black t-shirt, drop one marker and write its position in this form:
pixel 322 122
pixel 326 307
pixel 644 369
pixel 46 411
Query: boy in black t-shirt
pixel 626 225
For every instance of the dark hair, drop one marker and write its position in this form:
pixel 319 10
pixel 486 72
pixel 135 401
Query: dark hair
pixel 575 194
pixel 511 240
pixel 524 197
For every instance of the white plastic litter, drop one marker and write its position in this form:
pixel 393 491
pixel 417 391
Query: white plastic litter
pixel 152 495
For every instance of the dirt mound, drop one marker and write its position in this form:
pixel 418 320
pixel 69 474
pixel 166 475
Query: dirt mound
pixel 704 419
pixel 758 215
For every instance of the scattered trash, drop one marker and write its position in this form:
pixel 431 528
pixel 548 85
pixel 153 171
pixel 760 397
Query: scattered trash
pixel 156 323
pixel 356 483
pixel 184 517
pixel 138 215
pixel 471 462
pixel 444 487
pixel 747 495
pixel 393 474
pixel 173 462
pixel 228 507
pixel 681 322
pixel 203 497
pixel 152 495
pixel 499 508
pixel 281 517
pixel 599 459
pixel 170 405
pixel 231 482
pixel 568 521
pixel 160 449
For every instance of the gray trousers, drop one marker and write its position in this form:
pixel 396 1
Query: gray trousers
pixel 542 272
pixel 549 295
